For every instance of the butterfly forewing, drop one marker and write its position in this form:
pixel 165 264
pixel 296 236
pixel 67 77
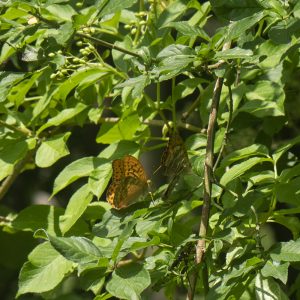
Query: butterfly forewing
pixel 133 168
pixel 118 169
pixel 129 182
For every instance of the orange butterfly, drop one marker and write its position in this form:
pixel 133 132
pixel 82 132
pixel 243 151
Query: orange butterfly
pixel 129 182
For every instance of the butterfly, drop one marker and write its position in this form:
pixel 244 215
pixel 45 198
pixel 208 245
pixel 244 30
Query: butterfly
pixel 129 182
pixel 174 160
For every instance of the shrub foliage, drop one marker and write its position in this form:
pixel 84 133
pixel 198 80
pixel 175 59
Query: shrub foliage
pixel 222 75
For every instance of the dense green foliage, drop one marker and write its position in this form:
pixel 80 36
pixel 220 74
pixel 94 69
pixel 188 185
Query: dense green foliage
pixel 128 68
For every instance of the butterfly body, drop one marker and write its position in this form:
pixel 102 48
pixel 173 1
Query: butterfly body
pixel 129 182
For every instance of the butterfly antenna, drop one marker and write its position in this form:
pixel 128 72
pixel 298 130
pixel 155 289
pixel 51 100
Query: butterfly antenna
pixel 157 170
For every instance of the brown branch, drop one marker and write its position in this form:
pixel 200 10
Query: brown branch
pixel 208 178
pixel 6 184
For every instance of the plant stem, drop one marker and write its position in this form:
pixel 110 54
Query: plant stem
pixel 173 103
pixel 208 178
pixel 191 109
pixel 230 110
pixel 6 184
pixel 156 123
pixel 109 45
pixel 24 130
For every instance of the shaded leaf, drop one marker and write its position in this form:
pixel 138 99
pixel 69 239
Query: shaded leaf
pixel 128 282
pixel 42 261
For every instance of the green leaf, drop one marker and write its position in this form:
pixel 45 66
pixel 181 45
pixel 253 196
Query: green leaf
pixel 283 31
pixel 75 208
pixel 287 251
pixel 125 129
pixel 39 216
pixel 172 66
pixel 83 75
pixel 173 59
pixel 237 28
pixel 288 192
pixel 233 53
pixel 51 150
pixel 93 280
pixel 138 84
pixel 175 50
pixel 115 6
pixel 239 169
pixel 59 12
pixel 262 109
pixel 11 152
pixel 171 13
pixel 99 179
pixel 198 165
pixel 276 270
pixel 292 223
pixel 266 98
pixel 268 289
pixel 7 80
pixel 186 29
pixel 128 282
pixel 77 249
pixel 186 87
pixel 35 274
pixel 18 92
pixel 18 40
pixel 120 149
pixel 63 116
pixel 235 9
pixel 252 150
pixel 143 243
pixel 272 54
pixel 284 148
pixel 77 169
pixel 288 174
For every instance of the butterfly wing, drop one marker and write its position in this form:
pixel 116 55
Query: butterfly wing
pixel 129 182
pixel 114 190
pixel 133 168
pixel 174 160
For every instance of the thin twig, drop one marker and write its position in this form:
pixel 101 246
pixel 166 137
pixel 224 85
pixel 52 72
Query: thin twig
pixel 230 110
pixel 109 45
pixel 191 109
pixel 6 184
pixel 216 65
pixel 159 123
pixel 208 178
pixel 23 130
